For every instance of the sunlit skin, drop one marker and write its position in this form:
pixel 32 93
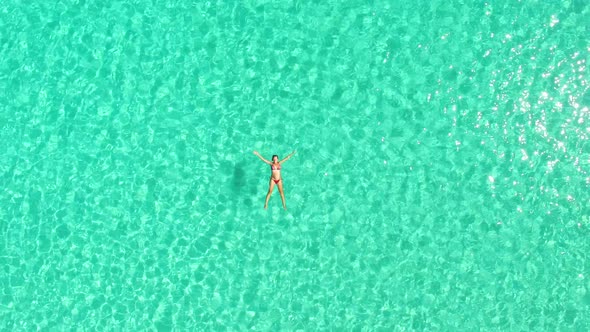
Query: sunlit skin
pixel 275 177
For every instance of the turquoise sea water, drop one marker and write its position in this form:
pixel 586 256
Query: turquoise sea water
pixel 441 180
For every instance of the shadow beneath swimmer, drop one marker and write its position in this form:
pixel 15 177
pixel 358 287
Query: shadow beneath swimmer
pixel 240 186
pixel 239 178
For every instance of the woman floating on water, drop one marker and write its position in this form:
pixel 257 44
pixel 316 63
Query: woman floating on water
pixel 275 176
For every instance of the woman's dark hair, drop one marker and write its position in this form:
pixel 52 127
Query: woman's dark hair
pixel 273 157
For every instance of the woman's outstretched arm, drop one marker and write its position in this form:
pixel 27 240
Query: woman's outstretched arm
pixel 287 157
pixel 259 156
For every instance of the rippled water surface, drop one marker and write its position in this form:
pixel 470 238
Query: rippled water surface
pixel 441 180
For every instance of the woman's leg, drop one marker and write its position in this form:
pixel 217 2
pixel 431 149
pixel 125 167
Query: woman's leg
pixel 271 186
pixel 280 184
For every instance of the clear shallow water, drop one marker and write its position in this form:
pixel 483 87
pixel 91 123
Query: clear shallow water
pixel 441 180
